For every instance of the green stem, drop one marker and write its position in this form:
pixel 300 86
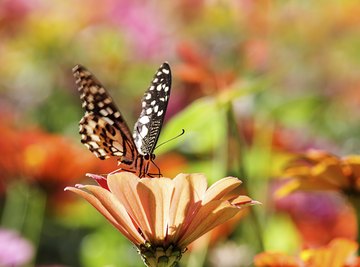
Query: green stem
pixel 24 210
pixel 241 170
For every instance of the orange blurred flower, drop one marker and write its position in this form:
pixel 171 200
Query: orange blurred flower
pixel 48 160
pixel 196 75
pixel 275 259
pixel 162 216
pixel 320 170
pixel 338 253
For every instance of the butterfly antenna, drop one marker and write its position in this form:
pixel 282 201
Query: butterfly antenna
pixel 182 132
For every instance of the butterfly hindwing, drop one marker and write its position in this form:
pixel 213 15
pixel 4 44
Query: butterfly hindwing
pixel 103 129
pixel 154 104
pixel 100 137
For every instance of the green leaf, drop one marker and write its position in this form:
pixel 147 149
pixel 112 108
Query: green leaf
pixel 204 124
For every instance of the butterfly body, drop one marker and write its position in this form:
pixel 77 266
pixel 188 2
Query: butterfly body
pixel 104 131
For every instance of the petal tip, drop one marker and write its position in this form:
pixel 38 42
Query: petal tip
pixel 95 176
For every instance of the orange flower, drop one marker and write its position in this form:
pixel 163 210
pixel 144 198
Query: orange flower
pixel 275 259
pixel 319 170
pixel 339 253
pixel 162 216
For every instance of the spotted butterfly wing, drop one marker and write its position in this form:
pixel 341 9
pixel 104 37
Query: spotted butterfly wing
pixel 103 129
pixel 154 104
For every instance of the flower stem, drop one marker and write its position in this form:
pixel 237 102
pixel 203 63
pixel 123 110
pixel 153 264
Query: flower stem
pixel 29 204
pixel 241 171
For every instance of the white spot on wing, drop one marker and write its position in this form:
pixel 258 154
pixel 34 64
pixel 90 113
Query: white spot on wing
pixel 94 144
pixel 90 106
pixel 108 120
pixel 93 90
pixel 107 100
pixel 148 96
pixel 144 131
pixel 149 111
pixel 103 112
pixel 92 124
pixel 166 71
pixel 144 119
pixel 95 137
pixel 109 110
pixel 160 112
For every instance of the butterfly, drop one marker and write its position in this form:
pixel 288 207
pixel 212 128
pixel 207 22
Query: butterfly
pixel 104 131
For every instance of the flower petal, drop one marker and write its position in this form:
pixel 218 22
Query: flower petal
pixel 221 188
pixel 275 259
pixel 208 217
pixel 242 201
pixel 124 186
pixel 335 254
pixel 189 190
pixel 155 196
pixel 99 179
pixel 111 209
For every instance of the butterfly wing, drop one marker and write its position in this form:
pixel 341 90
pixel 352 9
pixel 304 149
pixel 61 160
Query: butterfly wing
pixel 154 104
pixel 103 130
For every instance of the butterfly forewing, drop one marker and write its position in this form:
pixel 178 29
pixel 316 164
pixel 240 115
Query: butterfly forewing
pixel 102 129
pixel 154 104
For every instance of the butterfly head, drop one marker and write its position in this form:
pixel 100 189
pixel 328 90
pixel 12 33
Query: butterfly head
pixel 150 157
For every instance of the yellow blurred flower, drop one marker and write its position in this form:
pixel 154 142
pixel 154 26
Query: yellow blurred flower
pixel 162 216
pixel 338 253
pixel 320 170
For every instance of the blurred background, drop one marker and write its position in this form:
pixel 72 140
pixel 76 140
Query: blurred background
pixel 255 84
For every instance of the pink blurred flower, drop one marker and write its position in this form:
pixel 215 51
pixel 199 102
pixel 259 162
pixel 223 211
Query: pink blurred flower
pixel 14 12
pixel 144 25
pixel 319 216
pixel 14 250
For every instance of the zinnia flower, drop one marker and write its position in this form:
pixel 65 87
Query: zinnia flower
pixel 162 216
pixel 338 253
pixel 319 170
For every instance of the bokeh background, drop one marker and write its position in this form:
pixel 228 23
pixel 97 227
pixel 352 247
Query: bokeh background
pixel 255 83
